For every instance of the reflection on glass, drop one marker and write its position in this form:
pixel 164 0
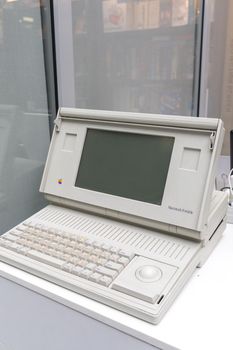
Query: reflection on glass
pixel 24 134
pixel 135 55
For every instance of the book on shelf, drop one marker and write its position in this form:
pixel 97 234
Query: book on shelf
pixel 121 15
pixel 153 8
pixel 180 12
pixel 175 61
pixel 165 13
pixel 151 99
pixel 140 14
pixel 117 15
pixel 194 10
pixel 155 61
pixel 130 14
pixel 145 13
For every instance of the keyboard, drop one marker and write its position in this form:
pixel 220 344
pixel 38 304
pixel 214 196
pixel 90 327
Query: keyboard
pixel 76 254
pixel 128 268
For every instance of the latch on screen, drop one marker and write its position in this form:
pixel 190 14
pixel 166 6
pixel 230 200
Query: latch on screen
pixel 212 139
pixel 57 123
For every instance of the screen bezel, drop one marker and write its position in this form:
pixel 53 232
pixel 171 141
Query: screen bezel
pixel 160 140
pixel 175 209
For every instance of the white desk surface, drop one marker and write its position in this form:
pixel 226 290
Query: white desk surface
pixel 200 318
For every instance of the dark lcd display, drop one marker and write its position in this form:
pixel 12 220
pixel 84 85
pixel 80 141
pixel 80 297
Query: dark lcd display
pixel 125 164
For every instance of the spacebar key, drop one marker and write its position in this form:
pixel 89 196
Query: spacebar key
pixel 47 259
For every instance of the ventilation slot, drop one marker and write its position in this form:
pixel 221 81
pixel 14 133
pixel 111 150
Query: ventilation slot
pixel 144 242
pixel 160 299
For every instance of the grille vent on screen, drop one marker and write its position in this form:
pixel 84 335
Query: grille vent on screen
pixel 118 233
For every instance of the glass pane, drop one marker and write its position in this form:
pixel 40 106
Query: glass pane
pixel 131 55
pixel 24 132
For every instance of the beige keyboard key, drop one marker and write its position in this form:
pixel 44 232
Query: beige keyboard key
pixel 105 281
pixel 126 254
pixel 77 270
pixel 114 266
pixel 106 271
pixel 45 258
pixel 85 273
pixel 91 266
pixel 68 267
pixel 123 260
pixel 95 277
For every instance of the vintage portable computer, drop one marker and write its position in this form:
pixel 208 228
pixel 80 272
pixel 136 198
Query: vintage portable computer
pixel 133 209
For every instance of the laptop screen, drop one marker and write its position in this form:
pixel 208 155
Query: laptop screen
pixel 127 165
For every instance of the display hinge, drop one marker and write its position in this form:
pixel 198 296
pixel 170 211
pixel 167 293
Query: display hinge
pixel 57 123
pixel 212 139
pixel 173 229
